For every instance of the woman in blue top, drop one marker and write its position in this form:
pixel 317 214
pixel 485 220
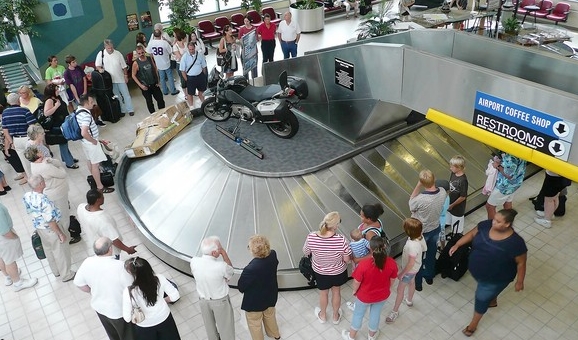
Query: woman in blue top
pixel 498 256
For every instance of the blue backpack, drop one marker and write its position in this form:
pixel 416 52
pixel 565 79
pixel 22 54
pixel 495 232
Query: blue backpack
pixel 70 127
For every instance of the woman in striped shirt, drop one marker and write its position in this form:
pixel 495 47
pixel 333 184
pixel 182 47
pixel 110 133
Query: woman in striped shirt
pixel 331 254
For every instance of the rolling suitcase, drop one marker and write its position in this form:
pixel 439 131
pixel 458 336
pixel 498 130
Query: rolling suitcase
pixel 454 266
pixel 108 103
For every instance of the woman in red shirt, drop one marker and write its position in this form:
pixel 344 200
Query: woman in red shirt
pixel 242 31
pixel 372 280
pixel 266 35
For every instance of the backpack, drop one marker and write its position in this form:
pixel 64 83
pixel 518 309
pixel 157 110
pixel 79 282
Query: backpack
pixel 70 127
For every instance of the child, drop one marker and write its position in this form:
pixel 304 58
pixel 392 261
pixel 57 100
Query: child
pixel 458 194
pixel 411 259
pixel 442 183
pixel 360 248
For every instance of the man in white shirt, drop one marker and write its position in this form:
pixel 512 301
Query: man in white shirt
pixel 113 62
pixel 288 34
pixel 161 51
pixel 105 278
pixel 193 67
pixel 90 144
pixel 211 276
pixel 98 223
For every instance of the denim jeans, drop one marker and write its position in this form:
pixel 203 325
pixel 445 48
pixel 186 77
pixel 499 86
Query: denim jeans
pixel 485 293
pixel 121 91
pixel 374 314
pixel 428 264
pixel 65 154
pixel 167 76
pixel 289 48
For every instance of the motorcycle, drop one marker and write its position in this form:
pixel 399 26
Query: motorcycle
pixel 270 104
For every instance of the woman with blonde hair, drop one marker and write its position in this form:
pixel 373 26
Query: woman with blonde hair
pixel 28 99
pixel 258 283
pixel 330 255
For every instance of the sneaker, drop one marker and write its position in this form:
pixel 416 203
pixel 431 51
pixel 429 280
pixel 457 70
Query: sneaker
pixel 540 213
pixel 350 305
pixel 8 281
pixel 345 335
pixel 74 240
pixel 392 316
pixel 70 276
pixel 369 337
pixel 175 93
pixel 19 177
pixel 100 123
pixel 408 303
pixel 131 113
pixel 543 222
pixel 25 283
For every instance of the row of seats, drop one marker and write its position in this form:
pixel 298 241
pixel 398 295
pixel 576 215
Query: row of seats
pixel 210 31
pixel 547 10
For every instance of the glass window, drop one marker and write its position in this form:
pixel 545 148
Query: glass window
pixel 208 7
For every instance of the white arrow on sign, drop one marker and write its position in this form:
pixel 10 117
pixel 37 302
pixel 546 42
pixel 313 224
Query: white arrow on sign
pixel 556 148
pixel 561 129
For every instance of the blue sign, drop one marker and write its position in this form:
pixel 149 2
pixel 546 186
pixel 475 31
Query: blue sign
pixel 525 117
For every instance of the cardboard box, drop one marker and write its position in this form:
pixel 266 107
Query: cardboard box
pixel 158 129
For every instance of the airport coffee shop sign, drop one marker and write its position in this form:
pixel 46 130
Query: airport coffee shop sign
pixel 537 130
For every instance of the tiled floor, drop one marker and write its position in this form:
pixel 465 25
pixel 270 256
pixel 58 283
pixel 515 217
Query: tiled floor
pixel 546 309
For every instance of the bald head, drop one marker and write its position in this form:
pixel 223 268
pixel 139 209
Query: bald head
pixel 103 246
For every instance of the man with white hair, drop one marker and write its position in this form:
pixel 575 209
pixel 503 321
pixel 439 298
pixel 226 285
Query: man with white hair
pixel 15 123
pixel 211 276
pixel 46 220
pixel 104 278
pixel 113 62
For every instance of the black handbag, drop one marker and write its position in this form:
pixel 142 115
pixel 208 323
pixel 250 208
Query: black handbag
pixel 220 59
pixel 106 178
pixel 306 268
pixel 45 121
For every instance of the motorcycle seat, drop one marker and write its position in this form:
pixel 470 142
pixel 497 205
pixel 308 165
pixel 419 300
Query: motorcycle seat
pixel 258 93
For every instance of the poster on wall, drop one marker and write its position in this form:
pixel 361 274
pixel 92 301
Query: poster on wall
pixel 145 19
pixel 344 74
pixel 249 52
pixel 132 22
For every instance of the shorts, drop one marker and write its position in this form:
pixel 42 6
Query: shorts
pixel 456 223
pixel 10 249
pixel 93 153
pixel 497 198
pixel 194 83
pixel 553 185
pixel 408 277
pixel 327 281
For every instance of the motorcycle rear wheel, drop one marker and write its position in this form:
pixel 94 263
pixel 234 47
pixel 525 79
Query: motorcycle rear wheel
pixel 213 111
pixel 287 128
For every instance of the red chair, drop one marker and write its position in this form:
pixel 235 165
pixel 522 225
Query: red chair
pixel 545 9
pixel 208 31
pixel 560 12
pixel 275 17
pixel 237 20
pixel 523 4
pixel 221 22
pixel 255 17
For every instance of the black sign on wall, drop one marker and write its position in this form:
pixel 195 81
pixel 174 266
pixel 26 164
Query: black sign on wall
pixel 344 74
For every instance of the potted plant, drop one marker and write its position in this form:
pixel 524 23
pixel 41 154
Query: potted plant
pixel 309 14
pixel 511 28
pixel 182 11
pixel 256 4
pixel 377 23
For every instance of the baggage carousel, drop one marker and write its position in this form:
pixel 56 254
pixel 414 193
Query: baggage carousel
pixel 202 183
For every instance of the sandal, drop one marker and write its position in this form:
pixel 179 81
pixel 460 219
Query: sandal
pixel 106 190
pixel 468 332
pixel 339 315
pixel 317 311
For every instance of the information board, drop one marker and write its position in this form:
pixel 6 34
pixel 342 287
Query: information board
pixel 344 74
pixel 538 130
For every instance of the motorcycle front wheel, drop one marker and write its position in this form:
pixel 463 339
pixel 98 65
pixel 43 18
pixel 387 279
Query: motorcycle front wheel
pixel 287 128
pixel 215 112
